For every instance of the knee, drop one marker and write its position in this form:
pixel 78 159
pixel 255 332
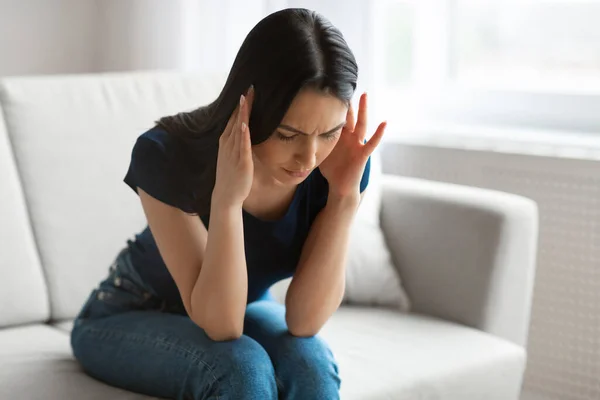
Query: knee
pixel 239 369
pixel 308 368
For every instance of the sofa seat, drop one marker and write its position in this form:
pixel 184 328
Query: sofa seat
pixel 37 364
pixel 382 354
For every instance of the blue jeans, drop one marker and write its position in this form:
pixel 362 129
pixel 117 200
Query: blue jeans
pixel 127 337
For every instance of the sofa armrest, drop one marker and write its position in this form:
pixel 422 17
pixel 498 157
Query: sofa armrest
pixel 464 254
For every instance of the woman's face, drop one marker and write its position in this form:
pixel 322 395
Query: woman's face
pixel 307 134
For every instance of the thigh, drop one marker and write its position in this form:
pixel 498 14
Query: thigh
pixel 265 322
pixel 168 355
pixel 293 357
pixel 127 337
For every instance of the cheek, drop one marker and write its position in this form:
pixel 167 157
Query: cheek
pixel 272 152
pixel 325 148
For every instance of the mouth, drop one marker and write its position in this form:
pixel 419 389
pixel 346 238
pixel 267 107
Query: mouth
pixel 297 173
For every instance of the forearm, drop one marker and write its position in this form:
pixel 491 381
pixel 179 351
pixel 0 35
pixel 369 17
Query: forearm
pixel 317 288
pixel 220 293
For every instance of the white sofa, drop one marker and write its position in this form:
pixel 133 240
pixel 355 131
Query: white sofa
pixel 466 256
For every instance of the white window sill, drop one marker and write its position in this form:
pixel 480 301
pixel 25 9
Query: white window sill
pixel 563 144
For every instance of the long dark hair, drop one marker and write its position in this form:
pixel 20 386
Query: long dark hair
pixel 285 52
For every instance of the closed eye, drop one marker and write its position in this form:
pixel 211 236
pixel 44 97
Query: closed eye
pixel 285 138
pixel 327 136
pixel 330 135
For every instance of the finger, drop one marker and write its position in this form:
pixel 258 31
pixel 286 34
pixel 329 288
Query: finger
pixel 230 124
pixel 246 144
pixel 246 109
pixel 239 139
pixel 372 144
pixel 361 123
pixel 250 100
pixel 238 127
pixel 350 119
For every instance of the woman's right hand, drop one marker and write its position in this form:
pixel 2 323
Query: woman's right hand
pixel 235 168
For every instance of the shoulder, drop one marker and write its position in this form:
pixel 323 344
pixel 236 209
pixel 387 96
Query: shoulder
pixel 156 138
pixel 155 168
pixel 158 149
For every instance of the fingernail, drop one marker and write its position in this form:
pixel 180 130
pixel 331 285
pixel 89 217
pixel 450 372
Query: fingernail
pixel 243 126
pixel 242 99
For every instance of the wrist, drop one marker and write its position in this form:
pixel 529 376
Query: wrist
pixel 349 200
pixel 220 207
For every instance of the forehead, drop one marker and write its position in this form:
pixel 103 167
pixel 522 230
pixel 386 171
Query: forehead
pixel 312 110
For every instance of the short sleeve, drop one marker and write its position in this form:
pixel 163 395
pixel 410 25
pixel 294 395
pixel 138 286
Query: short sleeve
pixel 364 181
pixel 150 168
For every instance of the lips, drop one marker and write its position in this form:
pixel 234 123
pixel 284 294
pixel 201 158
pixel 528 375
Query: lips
pixel 297 173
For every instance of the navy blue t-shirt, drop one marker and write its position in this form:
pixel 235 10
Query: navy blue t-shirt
pixel 272 247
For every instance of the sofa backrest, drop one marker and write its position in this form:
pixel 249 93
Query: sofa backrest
pixel 23 294
pixel 72 138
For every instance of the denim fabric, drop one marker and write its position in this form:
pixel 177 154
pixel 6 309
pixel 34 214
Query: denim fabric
pixel 126 336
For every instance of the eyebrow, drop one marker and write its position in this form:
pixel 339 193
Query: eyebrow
pixel 289 128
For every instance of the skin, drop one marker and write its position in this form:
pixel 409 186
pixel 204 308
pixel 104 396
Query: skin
pixel 307 134
pixel 209 266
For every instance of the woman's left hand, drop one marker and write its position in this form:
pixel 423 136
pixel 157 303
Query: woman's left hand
pixel 344 167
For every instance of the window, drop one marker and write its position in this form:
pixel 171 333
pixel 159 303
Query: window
pixel 532 63
pixel 399 21
pixel 537 45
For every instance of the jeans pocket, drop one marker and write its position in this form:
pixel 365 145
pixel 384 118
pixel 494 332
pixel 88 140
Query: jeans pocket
pixel 110 300
pixel 122 290
pixel 124 275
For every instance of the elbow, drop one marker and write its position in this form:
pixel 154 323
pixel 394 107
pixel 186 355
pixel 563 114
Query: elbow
pixel 301 328
pixel 221 329
pixel 223 332
pixel 218 324
pixel 223 335
pixel 302 332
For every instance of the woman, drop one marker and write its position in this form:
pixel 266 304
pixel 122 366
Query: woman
pixel 278 172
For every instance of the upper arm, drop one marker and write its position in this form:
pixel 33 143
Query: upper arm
pixel 180 236
pixel 181 240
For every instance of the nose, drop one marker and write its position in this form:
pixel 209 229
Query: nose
pixel 306 155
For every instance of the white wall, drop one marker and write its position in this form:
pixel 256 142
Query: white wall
pixel 75 36
pixel 47 36
pixel 78 36
pixel 139 34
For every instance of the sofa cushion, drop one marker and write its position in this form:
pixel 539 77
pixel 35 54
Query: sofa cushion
pixel 65 326
pixel 385 354
pixel 23 293
pixel 371 276
pixel 72 139
pixel 37 364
